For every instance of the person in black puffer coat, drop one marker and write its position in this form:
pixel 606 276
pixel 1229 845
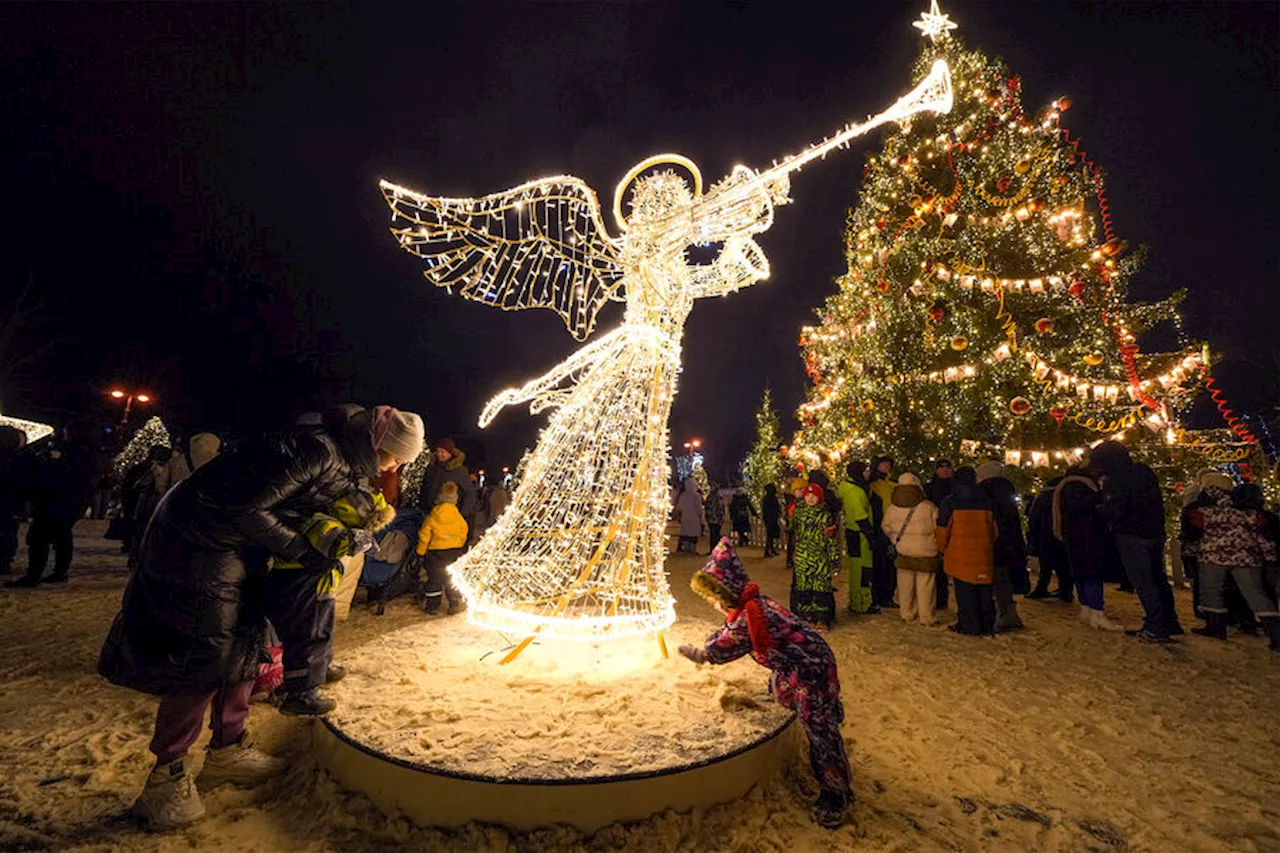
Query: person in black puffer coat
pixel 1049 551
pixel 191 625
pixel 58 483
pixel 12 493
pixel 1010 548
pixel 1134 507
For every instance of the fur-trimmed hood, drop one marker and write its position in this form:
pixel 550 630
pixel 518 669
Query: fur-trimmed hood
pixel 908 492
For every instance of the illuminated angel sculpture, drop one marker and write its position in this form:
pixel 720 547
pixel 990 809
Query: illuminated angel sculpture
pixel 579 552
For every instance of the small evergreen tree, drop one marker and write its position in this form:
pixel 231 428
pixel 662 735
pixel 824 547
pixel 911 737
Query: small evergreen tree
pixel 152 434
pixel 764 464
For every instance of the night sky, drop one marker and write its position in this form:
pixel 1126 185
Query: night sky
pixel 193 188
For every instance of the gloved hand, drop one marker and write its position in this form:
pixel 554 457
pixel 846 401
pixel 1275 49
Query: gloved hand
pixel 416 565
pixel 363 542
pixel 693 653
pixel 314 561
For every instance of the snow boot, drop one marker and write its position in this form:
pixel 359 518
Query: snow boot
pixel 1102 623
pixel 170 799
pixel 830 809
pixel 240 764
pixel 1086 614
pixel 334 673
pixel 1215 626
pixel 1271 624
pixel 55 578
pixel 307 703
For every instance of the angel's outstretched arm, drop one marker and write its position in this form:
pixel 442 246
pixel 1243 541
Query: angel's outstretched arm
pixel 544 391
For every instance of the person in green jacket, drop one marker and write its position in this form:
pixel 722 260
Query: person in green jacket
pixel 852 492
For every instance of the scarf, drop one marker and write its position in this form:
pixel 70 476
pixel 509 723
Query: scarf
pixel 1057 501
pixel 757 626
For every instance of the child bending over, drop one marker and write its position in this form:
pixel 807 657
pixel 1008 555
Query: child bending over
pixel 803 676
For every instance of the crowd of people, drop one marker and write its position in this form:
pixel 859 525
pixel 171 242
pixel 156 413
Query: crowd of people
pixel 238 563
pixel 900 543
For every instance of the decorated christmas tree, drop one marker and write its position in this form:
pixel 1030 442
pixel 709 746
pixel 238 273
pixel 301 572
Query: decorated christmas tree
pixel 152 434
pixel 764 464
pixel 985 310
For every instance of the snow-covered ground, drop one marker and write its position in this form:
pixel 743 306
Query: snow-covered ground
pixel 1057 739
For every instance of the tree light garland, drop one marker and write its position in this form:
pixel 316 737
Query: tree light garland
pixel 33 430
pixel 579 553
pixel 988 231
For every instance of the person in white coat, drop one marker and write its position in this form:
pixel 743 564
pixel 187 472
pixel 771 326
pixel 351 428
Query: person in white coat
pixel 689 507
pixel 909 522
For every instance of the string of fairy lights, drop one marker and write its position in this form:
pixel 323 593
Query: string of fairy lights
pixel 579 552
pixel 33 430
pixel 986 230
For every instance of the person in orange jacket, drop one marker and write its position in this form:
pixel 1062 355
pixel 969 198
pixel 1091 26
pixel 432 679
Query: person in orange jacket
pixel 966 539
pixel 441 540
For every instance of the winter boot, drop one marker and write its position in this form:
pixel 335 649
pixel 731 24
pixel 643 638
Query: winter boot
pixel 334 673
pixel 240 764
pixel 1215 626
pixel 55 578
pixel 1086 614
pixel 1102 623
pixel 1271 624
pixel 170 799
pixel 830 809
pixel 307 703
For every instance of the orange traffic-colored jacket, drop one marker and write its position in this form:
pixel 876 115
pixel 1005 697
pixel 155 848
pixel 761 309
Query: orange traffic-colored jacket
pixel 966 536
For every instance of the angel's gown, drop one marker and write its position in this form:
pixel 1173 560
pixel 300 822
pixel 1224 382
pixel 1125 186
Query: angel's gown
pixel 579 552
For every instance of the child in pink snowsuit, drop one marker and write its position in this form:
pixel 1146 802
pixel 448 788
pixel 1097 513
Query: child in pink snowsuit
pixel 803 676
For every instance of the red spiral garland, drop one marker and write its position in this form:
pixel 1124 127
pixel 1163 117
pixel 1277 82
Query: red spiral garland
pixel 1229 415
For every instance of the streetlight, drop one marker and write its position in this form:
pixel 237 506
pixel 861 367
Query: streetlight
pixel 129 397
pixel 692 458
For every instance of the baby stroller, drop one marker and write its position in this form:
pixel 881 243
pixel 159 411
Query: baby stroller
pixel 387 575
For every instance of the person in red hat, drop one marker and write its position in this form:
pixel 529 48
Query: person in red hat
pixel 803 673
pixel 817 554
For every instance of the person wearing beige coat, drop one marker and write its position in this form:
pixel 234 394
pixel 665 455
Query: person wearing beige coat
pixel 909 522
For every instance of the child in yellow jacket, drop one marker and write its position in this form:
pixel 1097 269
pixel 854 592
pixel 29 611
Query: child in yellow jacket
pixel 441 540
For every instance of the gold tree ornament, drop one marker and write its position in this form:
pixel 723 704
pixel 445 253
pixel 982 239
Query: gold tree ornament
pixel 579 552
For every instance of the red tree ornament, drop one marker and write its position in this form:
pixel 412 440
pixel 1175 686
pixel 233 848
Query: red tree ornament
pixel 1003 185
pixel 1019 406
pixel 1076 289
pixel 1044 325
pixel 1059 414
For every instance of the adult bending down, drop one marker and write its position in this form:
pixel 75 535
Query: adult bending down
pixel 192 623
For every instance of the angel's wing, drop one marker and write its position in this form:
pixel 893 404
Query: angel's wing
pixel 539 245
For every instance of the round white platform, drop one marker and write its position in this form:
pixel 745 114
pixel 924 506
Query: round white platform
pixel 431 726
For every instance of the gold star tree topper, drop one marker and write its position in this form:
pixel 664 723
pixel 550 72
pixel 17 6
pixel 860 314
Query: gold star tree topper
pixel 933 23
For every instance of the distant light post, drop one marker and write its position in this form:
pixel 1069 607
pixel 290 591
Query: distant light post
pixel 129 397
pixel 692 458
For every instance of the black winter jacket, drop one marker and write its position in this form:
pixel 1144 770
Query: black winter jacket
pixel 1132 502
pixel 1010 548
pixel 1090 546
pixel 453 471
pixel 59 487
pixel 192 616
